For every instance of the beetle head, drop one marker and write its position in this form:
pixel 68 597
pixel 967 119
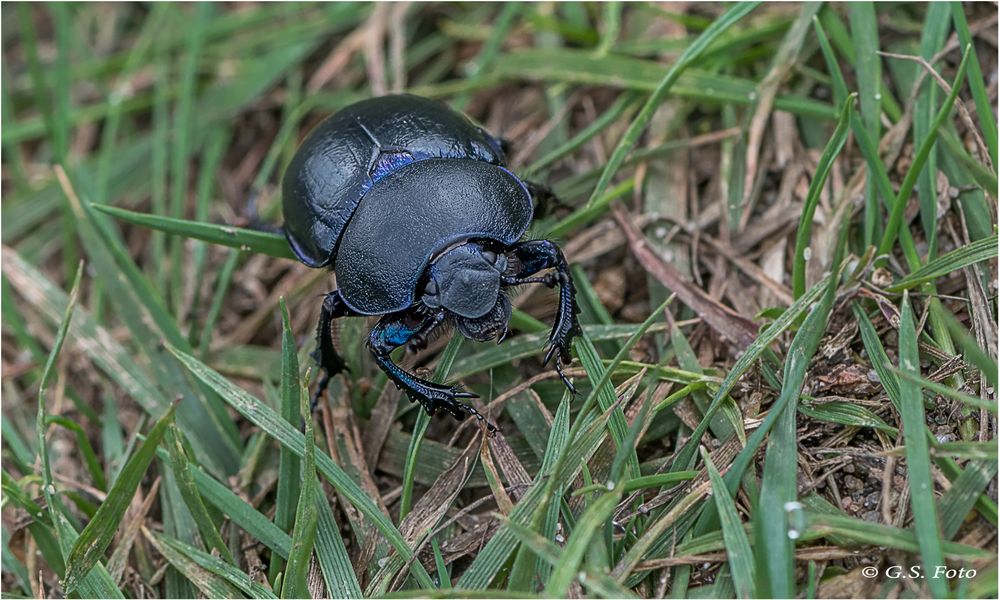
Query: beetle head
pixel 465 280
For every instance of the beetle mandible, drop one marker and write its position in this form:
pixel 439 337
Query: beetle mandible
pixel 412 206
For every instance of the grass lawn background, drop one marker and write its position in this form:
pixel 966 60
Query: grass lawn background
pixel 782 225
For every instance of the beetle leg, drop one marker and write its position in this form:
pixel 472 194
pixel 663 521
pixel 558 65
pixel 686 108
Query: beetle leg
pixel 396 330
pixel 325 354
pixel 536 256
pixel 420 338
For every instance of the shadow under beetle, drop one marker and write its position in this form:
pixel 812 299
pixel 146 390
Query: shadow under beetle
pixel 411 205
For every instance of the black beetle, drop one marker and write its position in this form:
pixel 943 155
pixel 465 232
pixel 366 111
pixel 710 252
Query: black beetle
pixel 411 205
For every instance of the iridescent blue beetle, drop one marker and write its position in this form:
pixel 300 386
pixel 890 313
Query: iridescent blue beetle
pixel 411 205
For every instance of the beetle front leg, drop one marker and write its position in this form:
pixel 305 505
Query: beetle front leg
pixel 325 354
pixel 397 330
pixel 537 256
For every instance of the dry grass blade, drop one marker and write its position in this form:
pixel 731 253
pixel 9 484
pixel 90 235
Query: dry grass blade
pixel 733 327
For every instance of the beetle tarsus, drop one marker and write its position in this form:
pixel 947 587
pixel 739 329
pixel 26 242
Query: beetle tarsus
pixel 397 330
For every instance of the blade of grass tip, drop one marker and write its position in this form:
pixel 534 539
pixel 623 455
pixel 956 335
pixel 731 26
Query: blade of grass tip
pixel 63 528
pixel 273 425
pixel 259 242
pixel 802 251
pixel 917 453
pixel 443 576
pixel 189 491
pixel 303 538
pixel 289 479
pixel 740 555
pixel 909 182
pixel 97 535
pixel 976 81
pixel 688 57
pixel 422 421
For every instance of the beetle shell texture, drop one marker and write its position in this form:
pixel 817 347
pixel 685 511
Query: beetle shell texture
pixel 348 153
pixel 416 211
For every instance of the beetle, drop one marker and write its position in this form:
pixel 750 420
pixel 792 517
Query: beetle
pixel 413 207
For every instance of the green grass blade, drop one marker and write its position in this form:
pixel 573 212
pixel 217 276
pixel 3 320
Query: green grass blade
pixel 98 582
pixel 858 531
pixel 839 82
pixel 822 169
pixel 273 425
pixel 740 555
pixel 211 584
pixel 189 491
pixel 97 535
pixel 259 242
pixel 905 190
pixel 864 30
pixel 962 495
pixel 334 561
pixel 238 511
pixel 753 352
pixel 780 470
pixel 917 453
pixel 420 429
pixel 689 55
pixel 975 252
pixel 215 565
pixel 949 392
pixel 289 477
pixel 303 538
pixel 567 568
pixel 845 413
pixel 976 81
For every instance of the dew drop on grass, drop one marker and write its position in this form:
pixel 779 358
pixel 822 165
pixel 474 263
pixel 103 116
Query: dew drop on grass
pixel 795 514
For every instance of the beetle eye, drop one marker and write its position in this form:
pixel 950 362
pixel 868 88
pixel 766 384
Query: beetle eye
pixel 489 256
